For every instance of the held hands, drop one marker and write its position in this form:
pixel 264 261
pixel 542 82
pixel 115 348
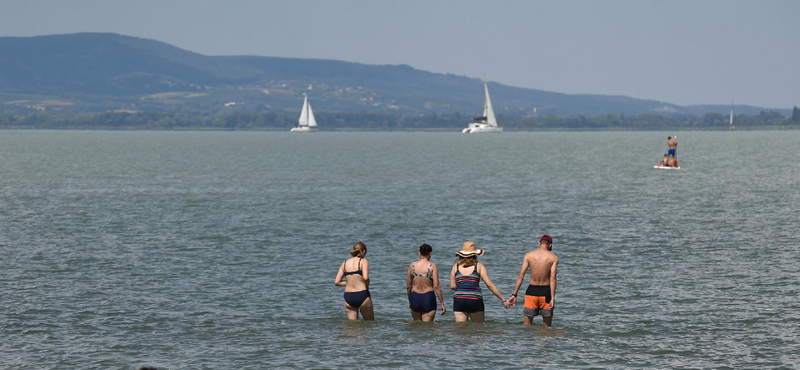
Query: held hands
pixel 507 303
pixel 512 301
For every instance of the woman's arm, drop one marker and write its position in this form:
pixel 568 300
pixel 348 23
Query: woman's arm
pixel 365 272
pixel 339 276
pixel 437 287
pixel 409 279
pixel 485 276
pixel 453 277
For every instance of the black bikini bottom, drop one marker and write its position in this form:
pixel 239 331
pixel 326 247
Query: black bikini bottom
pixel 356 299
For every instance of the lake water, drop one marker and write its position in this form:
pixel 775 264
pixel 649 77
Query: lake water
pixel 192 250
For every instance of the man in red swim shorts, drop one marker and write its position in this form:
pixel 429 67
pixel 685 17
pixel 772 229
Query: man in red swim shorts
pixel 541 293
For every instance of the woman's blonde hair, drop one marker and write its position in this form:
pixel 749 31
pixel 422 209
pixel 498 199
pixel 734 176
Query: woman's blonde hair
pixel 359 250
pixel 467 261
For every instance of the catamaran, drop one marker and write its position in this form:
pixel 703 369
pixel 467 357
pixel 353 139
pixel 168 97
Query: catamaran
pixel 307 123
pixel 487 123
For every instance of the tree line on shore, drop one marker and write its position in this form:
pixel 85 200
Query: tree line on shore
pixel 377 121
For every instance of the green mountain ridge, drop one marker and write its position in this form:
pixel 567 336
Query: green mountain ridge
pixel 101 72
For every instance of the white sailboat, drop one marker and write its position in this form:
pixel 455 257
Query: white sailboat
pixel 487 123
pixel 731 127
pixel 307 122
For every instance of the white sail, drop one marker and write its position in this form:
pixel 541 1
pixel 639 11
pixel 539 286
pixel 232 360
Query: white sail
pixel 312 122
pixel 304 114
pixel 488 111
pixel 731 124
pixel 307 122
pixel 307 115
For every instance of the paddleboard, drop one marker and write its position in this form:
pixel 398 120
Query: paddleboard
pixel 660 167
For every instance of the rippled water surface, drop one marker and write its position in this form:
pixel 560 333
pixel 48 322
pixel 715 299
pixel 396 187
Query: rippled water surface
pixel 187 250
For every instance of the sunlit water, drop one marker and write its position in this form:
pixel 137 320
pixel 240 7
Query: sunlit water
pixel 187 250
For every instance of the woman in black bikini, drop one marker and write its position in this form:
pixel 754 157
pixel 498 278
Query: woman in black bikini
pixel 353 275
pixel 422 285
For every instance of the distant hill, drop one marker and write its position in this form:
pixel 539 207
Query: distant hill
pixel 99 72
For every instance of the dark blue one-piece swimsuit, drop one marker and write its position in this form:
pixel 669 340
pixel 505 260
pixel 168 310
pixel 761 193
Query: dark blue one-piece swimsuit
pixel 422 302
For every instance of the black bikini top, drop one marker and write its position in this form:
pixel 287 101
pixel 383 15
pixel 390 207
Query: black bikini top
pixel 353 272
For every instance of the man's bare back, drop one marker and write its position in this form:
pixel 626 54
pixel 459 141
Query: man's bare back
pixel 541 262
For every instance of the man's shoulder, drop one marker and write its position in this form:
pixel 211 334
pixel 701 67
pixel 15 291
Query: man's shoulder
pixel 539 254
pixel 532 254
pixel 549 255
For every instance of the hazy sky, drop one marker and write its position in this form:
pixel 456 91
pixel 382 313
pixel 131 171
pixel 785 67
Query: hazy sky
pixel 683 52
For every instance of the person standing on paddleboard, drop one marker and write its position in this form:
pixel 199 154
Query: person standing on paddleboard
pixel 673 147
pixel 540 297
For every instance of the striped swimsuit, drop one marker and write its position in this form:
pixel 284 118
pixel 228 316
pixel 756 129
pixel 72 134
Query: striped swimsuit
pixel 468 296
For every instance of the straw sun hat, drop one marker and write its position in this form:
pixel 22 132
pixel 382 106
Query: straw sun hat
pixel 469 250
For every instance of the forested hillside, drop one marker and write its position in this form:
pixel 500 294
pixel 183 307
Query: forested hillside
pixel 103 72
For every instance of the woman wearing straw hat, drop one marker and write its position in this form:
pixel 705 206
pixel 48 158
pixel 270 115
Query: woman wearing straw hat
pixel 355 273
pixel 464 279
pixel 423 288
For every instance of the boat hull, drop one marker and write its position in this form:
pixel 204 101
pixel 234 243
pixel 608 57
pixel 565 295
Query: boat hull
pixel 481 128
pixel 303 129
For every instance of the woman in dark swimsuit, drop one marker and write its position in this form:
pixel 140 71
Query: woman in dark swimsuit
pixel 464 279
pixel 353 275
pixel 421 286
